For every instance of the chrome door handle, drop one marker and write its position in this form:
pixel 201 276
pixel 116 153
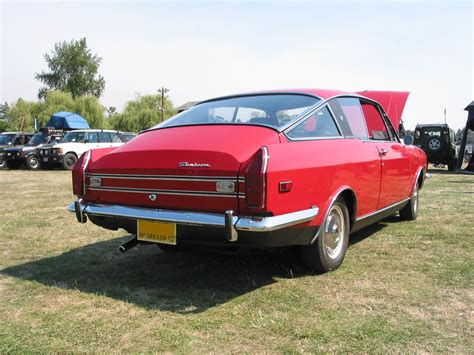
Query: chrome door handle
pixel 383 152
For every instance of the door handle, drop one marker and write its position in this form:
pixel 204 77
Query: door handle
pixel 383 152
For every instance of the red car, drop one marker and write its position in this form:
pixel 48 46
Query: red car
pixel 281 168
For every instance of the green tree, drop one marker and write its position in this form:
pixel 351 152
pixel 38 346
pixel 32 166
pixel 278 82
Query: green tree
pixel 22 115
pixel 23 112
pixel 73 68
pixel 142 113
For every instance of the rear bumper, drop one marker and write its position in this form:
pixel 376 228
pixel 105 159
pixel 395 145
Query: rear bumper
pixel 239 229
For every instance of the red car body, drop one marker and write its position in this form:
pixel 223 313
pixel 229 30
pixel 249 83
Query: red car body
pixel 256 185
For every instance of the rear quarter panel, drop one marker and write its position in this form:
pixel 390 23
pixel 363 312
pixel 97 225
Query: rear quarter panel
pixel 318 169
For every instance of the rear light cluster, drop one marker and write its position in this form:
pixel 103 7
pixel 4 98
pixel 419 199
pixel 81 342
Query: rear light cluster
pixel 78 174
pixel 255 179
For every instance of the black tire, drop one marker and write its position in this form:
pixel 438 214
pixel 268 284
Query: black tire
pixel 167 248
pixel 452 164
pixel 319 256
pixel 410 211
pixel 13 165
pixel 69 160
pixel 32 162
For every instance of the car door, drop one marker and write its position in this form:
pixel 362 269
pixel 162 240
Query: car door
pixel 395 160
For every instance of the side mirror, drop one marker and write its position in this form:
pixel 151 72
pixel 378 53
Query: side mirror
pixel 86 141
pixel 408 140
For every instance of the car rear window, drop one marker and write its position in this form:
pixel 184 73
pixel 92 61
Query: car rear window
pixel 273 110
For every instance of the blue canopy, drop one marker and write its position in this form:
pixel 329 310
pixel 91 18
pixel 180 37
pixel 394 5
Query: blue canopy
pixel 67 120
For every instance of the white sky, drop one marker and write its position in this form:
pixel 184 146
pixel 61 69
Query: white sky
pixel 204 49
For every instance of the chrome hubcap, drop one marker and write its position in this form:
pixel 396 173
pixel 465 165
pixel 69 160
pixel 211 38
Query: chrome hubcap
pixel 415 198
pixel 333 233
pixel 33 162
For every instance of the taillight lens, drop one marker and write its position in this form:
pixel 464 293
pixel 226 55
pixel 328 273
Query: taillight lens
pixel 78 174
pixel 255 179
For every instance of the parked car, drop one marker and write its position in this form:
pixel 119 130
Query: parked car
pixel 15 157
pixel 75 143
pixel 12 139
pixel 438 141
pixel 236 171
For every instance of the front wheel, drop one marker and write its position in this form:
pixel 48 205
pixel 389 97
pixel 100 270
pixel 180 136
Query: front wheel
pixel 2 163
pixel 410 211
pixel 328 251
pixel 32 162
pixel 69 160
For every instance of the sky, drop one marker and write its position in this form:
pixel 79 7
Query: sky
pixel 204 49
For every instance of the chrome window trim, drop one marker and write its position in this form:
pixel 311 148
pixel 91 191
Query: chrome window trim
pixel 240 223
pixel 325 104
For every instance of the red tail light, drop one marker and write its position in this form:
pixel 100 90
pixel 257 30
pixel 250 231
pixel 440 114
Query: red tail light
pixel 78 174
pixel 255 179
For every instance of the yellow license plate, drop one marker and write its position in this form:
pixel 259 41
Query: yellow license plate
pixel 157 232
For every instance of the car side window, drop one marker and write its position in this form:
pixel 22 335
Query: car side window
pixel 318 125
pixel 92 137
pixel 350 106
pixel 116 138
pixel 104 137
pixel 375 123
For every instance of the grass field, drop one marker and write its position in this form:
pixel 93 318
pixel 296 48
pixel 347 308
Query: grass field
pixel 404 286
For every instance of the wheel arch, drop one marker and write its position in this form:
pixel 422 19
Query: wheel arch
pixel 350 197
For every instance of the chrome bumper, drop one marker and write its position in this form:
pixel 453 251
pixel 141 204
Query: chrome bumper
pixel 231 223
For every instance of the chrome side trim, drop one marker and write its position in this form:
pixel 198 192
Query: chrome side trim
pixel 167 192
pixel 264 174
pixel 382 209
pixel 168 177
pixel 86 163
pixel 243 223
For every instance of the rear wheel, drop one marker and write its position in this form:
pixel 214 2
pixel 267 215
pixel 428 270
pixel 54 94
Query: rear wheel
pixel 32 162
pixel 410 211
pixel 69 160
pixel 328 251
pixel 452 164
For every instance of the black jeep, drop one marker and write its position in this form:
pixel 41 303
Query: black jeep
pixel 12 139
pixel 438 141
pixel 17 156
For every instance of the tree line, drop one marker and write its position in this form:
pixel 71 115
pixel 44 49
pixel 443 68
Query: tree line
pixel 72 83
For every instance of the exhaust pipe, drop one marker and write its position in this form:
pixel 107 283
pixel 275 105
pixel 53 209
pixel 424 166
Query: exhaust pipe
pixel 128 245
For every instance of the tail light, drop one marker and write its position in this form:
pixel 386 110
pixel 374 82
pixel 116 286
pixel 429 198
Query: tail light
pixel 255 179
pixel 79 174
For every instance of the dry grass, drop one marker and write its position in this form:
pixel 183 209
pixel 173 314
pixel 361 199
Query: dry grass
pixel 404 286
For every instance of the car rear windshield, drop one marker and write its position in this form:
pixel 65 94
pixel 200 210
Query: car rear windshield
pixel 273 110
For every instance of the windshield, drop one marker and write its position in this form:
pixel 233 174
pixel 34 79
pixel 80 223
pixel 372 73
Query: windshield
pixel 73 137
pixel 37 139
pixel 6 138
pixel 273 110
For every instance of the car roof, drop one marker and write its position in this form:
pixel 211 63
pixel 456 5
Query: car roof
pixel 421 125
pixel 93 130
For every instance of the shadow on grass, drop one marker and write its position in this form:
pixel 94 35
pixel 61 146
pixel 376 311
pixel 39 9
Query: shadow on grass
pixel 187 282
